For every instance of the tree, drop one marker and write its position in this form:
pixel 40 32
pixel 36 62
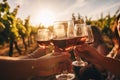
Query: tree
pixel 10 31
pixel 22 31
pixel 107 30
pixel 14 34
pixel 28 29
pixel 13 29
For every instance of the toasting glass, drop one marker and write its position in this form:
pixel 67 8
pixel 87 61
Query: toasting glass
pixel 63 41
pixel 83 34
pixel 44 37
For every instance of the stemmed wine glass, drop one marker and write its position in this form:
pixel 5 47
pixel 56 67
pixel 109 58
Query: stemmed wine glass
pixel 83 34
pixel 63 41
pixel 44 37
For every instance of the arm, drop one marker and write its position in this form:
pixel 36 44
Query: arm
pixel 92 55
pixel 35 54
pixel 20 69
pixel 103 50
pixel 110 64
pixel 16 69
pixel 52 63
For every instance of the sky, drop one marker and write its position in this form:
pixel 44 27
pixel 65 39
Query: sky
pixel 55 10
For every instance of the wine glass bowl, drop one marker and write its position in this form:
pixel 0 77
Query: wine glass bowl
pixel 81 34
pixel 44 37
pixel 90 35
pixel 61 39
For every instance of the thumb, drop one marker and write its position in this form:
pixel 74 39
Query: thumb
pixel 64 56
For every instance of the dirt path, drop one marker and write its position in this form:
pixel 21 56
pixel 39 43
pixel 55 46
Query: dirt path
pixel 4 50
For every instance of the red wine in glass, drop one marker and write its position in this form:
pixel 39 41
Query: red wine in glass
pixel 64 44
pixel 80 40
pixel 81 37
pixel 43 44
pixel 44 37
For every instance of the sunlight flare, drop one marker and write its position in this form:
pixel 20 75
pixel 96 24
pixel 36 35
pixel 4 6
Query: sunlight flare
pixel 46 18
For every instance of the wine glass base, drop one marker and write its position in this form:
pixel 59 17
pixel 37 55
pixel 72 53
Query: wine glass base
pixel 81 64
pixel 69 76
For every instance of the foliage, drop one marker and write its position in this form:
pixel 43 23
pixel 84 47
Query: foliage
pixel 13 28
pixel 104 23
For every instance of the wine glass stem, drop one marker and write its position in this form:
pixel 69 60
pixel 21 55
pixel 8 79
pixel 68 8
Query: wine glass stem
pixel 79 59
pixel 64 71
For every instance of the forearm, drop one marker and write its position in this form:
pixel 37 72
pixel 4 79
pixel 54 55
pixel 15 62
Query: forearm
pixel 16 69
pixel 110 64
pixel 35 54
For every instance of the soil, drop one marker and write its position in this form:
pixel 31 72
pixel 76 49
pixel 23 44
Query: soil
pixel 4 50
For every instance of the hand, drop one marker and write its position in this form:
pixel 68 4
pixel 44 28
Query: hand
pixel 36 54
pixel 87 52
pixel 39 52
pixel 52 63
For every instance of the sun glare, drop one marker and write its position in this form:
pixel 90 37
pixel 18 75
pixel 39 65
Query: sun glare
pixel 46 18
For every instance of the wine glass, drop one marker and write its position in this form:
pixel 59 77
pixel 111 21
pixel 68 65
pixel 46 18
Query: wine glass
pixel 44 37
pixel 63 42
pixel 90 38
pixel 62 36
pixel 83 34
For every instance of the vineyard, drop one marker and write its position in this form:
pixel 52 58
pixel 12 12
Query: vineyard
pixel 17 36
pixel 14 33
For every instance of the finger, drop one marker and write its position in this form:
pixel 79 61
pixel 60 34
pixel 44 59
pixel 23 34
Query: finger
pixel 49 72
pixel 76 52
pixel 62 57
pixel 38 53
pixel 83 47
pixel 66 61
pixel 65 66
pixel 59 54
pixel 66 54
